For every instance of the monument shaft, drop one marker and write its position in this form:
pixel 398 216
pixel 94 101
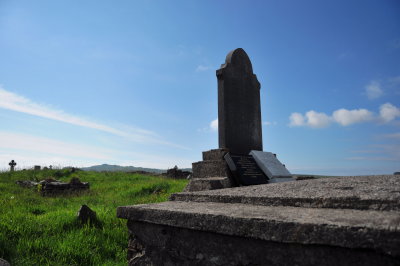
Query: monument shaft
pixel 239 111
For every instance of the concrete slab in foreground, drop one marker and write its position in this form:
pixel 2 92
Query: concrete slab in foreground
pixel 337 221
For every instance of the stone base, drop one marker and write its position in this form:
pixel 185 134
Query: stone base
pixel 211 173
pixel 332 221
pixel 154 244
pixel 198 184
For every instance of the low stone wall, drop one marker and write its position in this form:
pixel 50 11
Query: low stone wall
pixel 335 221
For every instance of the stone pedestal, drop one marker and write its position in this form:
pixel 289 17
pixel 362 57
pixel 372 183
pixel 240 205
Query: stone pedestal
pixel 211 173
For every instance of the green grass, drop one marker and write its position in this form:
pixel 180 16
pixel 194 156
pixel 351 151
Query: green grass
pixel 36 230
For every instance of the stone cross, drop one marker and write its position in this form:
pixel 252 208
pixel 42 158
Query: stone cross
pixel 239 111
pixel 12 164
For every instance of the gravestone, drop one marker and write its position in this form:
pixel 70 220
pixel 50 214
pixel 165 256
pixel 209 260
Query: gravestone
pixel 12 165
pixel 245 170
pixel 239 130
pixel 239 111
pixel 271 166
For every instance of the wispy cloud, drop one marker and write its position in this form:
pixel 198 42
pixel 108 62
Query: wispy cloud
pixel 18 103
pixel 373 90
pixel 29 150
pixel 387 113
pixel 392 136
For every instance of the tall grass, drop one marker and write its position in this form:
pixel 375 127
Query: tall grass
pixel 36 230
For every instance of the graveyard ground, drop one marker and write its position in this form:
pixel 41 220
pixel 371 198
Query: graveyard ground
pixel 36 230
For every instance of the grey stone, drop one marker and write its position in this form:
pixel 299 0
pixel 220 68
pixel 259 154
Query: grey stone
pixel 215 154
pixel 26 183
pixel 205 169
pixel 270 165
pixel 86 215
pixel 378 230
pixel 3 262
pixel 199 184
pixel 352 192
pixel 245 170
pixel 239 111
pixel 335 221
pixel 157 244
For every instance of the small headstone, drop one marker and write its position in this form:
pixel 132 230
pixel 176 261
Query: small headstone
pixel 271 166
pixel 12 164
pixel 86 215
pixel 36 168
pixel 245 170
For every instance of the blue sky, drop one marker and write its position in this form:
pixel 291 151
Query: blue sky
pixel 133 82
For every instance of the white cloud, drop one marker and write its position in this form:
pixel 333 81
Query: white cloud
pixel 373 90
pixel 317 120
pixel 14 102
pixel 201 68
pixel 296 119
pixel 214 125
pixel 347 117
pixel 389 112
pixel 344 117
pixel 311 118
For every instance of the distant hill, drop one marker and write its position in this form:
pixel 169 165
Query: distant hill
pixel 118 168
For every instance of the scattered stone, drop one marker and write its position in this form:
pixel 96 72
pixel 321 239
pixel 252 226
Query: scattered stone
pixel 87 215
pixel 26 183
pixel 176 173
pixel 3 262
pixel 54 187
pixel 12 164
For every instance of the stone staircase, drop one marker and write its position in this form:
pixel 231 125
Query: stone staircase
pixel 211 173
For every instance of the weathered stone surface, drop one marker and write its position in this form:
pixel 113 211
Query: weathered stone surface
pixel 199 184
pixel 26 183
pixel 205 169
pixel 270 165
pixel 245 170
pixel 369 229
pixel 355 218
pixel 215 154
pixel 239 111
pixel 53 187
pixel 155 244
pixel 3 262
pixel 357 192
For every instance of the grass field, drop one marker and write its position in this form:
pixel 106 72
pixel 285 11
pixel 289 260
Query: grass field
pixel 36 230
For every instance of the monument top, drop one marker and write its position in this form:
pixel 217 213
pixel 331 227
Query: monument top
pixel 238 59
pixel 239 111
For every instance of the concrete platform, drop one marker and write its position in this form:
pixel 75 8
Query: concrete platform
pixel 335 221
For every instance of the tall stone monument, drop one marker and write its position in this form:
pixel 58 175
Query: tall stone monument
pixel 239 111
pixel 239 132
